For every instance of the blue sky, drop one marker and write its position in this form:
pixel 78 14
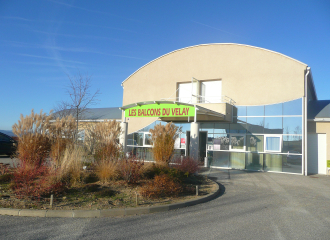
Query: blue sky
pixel 42 42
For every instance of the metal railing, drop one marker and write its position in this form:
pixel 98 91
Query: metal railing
pixel 202 99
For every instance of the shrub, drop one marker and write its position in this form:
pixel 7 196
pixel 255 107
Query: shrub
pixel 149 171
pixel 107 170
pixel 99 134
pixel 62 134
pixel 130 170
pixel 90 177
pixel 163 138
pixel 161 186
pixel 71 165
pixel 188 165
pixel 4 169
pixel 107 151
pixel 5 174
pixel 156 170
pixel 5 178
pixel 34 181
pixel 33 139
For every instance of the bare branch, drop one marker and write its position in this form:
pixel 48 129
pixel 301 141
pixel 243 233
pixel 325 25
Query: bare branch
pixel 79 92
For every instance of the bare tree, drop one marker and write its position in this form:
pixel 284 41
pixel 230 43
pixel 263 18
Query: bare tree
pixel 80 97
pixel 62 109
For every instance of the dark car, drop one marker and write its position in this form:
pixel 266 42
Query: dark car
pixel 7 145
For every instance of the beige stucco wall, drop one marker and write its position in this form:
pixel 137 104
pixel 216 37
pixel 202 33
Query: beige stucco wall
pixel 250 75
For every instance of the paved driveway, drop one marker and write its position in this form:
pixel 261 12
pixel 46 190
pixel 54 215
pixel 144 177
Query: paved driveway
pixel 7 160
pixel 253 206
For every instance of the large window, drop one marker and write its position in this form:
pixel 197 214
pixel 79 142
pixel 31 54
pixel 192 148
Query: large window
pixel 266 137
pixel 185 92
pixel 200 92
pixel 139 144
pixel 211 92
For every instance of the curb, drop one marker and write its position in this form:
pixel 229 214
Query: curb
pixel 117 212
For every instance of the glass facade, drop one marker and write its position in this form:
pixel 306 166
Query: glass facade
pixel 266 137
pixel 139 144
pixel 260 138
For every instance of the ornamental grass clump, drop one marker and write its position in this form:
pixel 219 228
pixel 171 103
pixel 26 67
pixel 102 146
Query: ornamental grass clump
pixel 62 135
pixel 101 139
pixel 163 138
pixel 70 167
pixel 107 170
pixel 34 142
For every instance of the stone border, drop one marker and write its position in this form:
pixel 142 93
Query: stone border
pixel 116 212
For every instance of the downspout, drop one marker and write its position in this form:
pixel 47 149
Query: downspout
pixel 305 121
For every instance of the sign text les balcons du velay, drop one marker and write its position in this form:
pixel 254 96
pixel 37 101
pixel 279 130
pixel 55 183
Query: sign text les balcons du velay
pixel 160 110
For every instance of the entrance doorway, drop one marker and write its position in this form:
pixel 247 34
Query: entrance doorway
pixel 202 146
pixel 187 143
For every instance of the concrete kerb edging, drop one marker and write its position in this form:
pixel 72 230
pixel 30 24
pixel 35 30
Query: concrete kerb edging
pixel 107 212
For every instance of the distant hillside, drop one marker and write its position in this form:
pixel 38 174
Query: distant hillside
pixel 8 132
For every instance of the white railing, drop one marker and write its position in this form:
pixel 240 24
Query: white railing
pixel 202 99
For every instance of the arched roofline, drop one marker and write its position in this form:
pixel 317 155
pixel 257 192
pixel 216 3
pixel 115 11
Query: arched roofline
pixel 208 44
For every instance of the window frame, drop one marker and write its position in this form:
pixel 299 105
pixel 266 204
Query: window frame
pixel 274 136
pixel 144 139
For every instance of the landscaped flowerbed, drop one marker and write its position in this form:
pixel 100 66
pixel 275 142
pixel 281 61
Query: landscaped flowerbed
pixel 97 195
pixel 96 174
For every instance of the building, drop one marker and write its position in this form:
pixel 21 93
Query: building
pixel 239 107
pixel 91 116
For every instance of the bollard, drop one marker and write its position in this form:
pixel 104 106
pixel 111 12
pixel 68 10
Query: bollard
pixel 196 190
pixel 51 200
pixel 136 199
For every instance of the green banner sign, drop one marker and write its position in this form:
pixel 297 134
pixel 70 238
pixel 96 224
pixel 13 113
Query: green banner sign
pixel 160 110
pixel 328 163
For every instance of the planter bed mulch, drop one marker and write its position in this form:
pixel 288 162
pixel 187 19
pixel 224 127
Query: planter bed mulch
pixel 99 195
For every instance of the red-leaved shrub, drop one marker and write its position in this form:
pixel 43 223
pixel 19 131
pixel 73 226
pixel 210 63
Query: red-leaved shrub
pixel 5 173
pixel 188 165
pixel 130 170
pixel 161 186
pixel 34 181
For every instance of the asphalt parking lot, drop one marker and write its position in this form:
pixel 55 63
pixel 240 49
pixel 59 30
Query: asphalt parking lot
pixel 253 205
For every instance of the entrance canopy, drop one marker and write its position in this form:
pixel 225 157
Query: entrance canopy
pixel 171 111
